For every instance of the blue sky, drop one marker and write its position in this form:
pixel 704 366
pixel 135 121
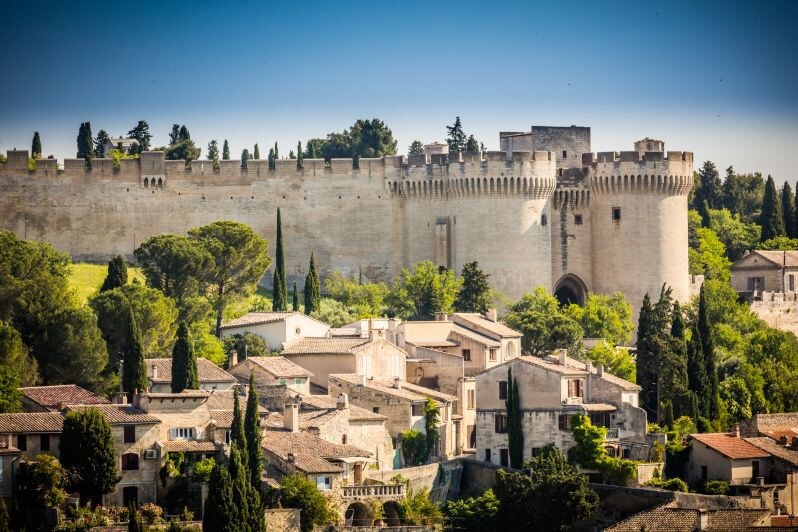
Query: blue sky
pixel 716 78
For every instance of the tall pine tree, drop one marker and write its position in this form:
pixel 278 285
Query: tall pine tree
pixel 515 431
pixel 134 369
pixel 295 300
pixel 673 371
pixel 245 159
pixel 312 289
pixel 788 210
pixel 248 512
pixel 85 144
pixel 256 152
pixel 36 146
pixel 710 188
pixel 697 375
pixel 646 377
pixel 708 350
pixel 237 435
pixel 226 151
pixel 279 295
pixel 252 433
pixel 117 274
pixel 184 362
pixel 300 161
pixel 771 219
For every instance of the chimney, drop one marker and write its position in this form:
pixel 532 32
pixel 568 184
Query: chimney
pixel 154 372
pixel 291 416
pixel 760 481
pixel 362 380
pixel 702 520
pixel 562 357
pixel 397 383
pixel 233 360
pixel 589 367
pixel 492 315
pixel 600 370
pixel 120 398
pixel 737 430
pixel 343 401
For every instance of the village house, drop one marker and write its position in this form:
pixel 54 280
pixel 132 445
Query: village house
pixel 32 433
pixel 276 328
pixel 211 376
pixel 757 467
pixel 373 357
pixel 551 391
pixel 765 271
pixel 122 144
pixel 403 404
pixel 782 427
pixel 675 519
pixel 363 328
pixel 53 398
pixel 270 372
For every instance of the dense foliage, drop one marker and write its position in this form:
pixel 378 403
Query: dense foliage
pixel 423 291
pixel 545 327
pixel 299 492
pixel 366 138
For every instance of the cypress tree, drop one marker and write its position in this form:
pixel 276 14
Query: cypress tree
pixel 85 143
pixel 697 374
pixel 184 362
pixel 708 350
pixel 256 152
pixel 253 435
pixel 280 295
pixel 299 157
pixel 5 520
pixel 674 382
pixel 271 159
pixel 312 290
pixel 226 151
pixel 219 506
pixel 36 146
pixel 117 274
pixel 706 219
pixel 312 150
pixel 99 143
pixel 645 357
pixel 515 433
pixel 276 151
pixel 248 511
pixel 295 300
pixel 244 159
pixel 134 369
pixel 237 435
pixel 788 210
pixel 474 295
pixel 771 218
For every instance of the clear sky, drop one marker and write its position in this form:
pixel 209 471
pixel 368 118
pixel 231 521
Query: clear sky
pixel 716 78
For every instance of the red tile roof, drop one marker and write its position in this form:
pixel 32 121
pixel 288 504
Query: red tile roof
pixel 325 346
pixel 207 371
pixel 54 397
pixel 308 451
pixel 32 422
pixel 121 414
pixel 730 445
pixel 188 446
pixel 279 366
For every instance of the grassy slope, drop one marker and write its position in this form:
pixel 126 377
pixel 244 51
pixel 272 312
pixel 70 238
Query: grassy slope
pixel 87 278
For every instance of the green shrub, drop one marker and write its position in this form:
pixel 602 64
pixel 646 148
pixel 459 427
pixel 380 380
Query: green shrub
pixel 673 484
pixel 31 164
pixel 714 487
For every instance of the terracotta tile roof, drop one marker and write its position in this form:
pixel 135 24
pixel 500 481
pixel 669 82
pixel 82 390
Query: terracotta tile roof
pixel 207 371
pixel 782 258
pixel 496 327
pixel 188 446
pixel 667 519
pixel 475 336
pixel 54 397
pixel 779 451
pixel 598 407
pixel 260 318
pixel 324 346
pixel 6 449
pixel 408 391
pixel 434 343
pixel 120 414
pixel 550 365
pixel 609 377
pixel 783 520
pixel 309 452
pixel 184 394
pixel 327 402
pixel 730 446
pixel 31 422
pixel 280 367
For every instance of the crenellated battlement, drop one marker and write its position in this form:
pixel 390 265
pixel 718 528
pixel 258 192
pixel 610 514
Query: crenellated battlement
pixel 632 172
pixel 573 197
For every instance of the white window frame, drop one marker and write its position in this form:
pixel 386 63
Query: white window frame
pixel 323 482
pixel 183 433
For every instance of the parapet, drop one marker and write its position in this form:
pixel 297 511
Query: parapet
pixel 635 172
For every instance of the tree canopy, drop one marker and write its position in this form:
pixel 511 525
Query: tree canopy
pixel 424 290
pixel 365 138
pixel 545 327
pixel 475 294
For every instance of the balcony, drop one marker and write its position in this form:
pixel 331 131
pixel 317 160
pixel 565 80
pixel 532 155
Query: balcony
pixel 612 433
pixel 379 491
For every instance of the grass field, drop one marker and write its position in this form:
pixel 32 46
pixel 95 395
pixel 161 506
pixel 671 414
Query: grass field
pixel 86 278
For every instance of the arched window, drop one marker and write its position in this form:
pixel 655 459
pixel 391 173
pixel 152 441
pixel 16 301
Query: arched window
pixel 160 183
pixel 146 183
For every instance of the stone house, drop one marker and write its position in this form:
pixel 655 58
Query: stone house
pixel 403 404
pixel 53 398
pixel 765 271
pixel 481 340
pixel 372 357
pixel 211 376
pixel 671 518
pixel 782 427
pixel 276 328
pixel 756 467
pixel 552 390
pixel 9 458
pixel 122 144
pixel 273 371
pixel 134 433
pixel 32 433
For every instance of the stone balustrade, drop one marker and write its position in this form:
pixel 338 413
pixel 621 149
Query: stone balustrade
pixel 387 491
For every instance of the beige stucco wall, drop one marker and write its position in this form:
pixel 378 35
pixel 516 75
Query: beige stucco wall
pixel 322 365
pixel 242 371
pixel 720 467
pixel 145 478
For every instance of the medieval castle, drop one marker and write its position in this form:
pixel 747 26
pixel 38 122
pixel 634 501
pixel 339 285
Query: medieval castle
pixel 543 211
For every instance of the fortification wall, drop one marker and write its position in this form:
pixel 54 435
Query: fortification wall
pixel 639 223
pixel 571 235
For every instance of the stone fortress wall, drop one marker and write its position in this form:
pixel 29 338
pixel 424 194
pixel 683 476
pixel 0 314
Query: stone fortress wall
pixel 540 212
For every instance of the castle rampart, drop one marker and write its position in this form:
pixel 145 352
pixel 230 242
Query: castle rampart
pixel 600 222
